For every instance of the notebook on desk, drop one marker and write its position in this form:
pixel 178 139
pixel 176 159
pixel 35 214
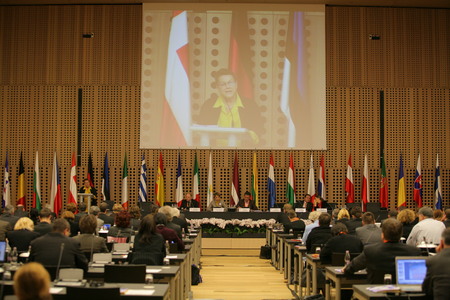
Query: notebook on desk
pixel 410 271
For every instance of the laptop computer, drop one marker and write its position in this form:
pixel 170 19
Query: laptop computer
pixel 2 252
pixel 410 271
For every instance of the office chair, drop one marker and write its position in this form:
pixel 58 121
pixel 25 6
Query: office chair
pixel 76 293
pixel 125 273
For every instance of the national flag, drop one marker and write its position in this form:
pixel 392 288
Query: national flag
pixel 73 191
pixel 321 183
pixel 210 181
pixel 235 188
pixel 311 180
pixel 179 189
pixel 21 180
pixel 271 187
pixel 177 105
pixel 6 185
pixel 255 181
pixel 159 186
pixel 37 185
pixel 143 181
pixel 55 190
pixel 90 173
pixel 438 186
pixel 401 193
pixel 125 183
pixel 290 188
pixel 365 185
pixel 384 193
pixel 240 56
pixel 196 182
pixel 349 186
pixel 105 179
pixel 418 183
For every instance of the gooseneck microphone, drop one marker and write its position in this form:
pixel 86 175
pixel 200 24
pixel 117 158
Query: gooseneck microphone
pixel 92 247
pixel 61 250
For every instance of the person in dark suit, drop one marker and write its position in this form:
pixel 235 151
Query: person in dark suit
pixel 355 221
pixel 339 243
pixel 369 233
pixel 319 236
pixel 70 217
pixel 247 202
pixel 135 213
pixel 283 217
pixel 121 228
pixel 4 228
pixel 305 203
pixel 168 212
pixel 379 259
pixel 188 202
pixel 81 212
pixel 89 242
pixel 105 214
pixel 8 215
pixel 149 246
pixel 297 225
pixel 88 189
pixel 20 211
pixel 179 219
pixel 47 249
pixel 447 216
pixel 45 222
pixel 436 284
pixel 22 235
pixel 167 233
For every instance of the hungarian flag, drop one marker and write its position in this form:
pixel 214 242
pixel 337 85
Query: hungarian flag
pixel 6 185
pixel 196 182
pixel 159 186
pixel 321 184
pixel 290 188
pixel 349 186
pixel 311 180
pixel 210 197
pixel 143 181
pixel 438 185
pixel 255 181
pixel 55 190
pixel 401 194
pixel 37 185
pixel 21 180
pixel 105 179
pixel 73 192
pixel 179 189
pixel 418 183
pixel 365 185
pixel 240 57
pixel 271 187
pixel 235 189
pixel 177 105
pixel 125 183
pixel 384 194
pixel 90 173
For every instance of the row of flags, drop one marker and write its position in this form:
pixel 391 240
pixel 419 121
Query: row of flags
pixel 56 197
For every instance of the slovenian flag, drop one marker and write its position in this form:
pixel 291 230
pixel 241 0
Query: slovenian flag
pixel 311 180
pixel 418 183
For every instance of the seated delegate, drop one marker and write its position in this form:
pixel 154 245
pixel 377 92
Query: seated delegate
pixel 149 246
pixel 247 202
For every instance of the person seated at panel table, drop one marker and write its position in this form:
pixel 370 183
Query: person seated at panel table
pixel 32 281
pixel 121 228
pixel 319 202
pixel 247 202
pixel 149 246
pixel 379 259
pixel 217 202
pixel 295 223
pixel 305 203
pixel 167 233
pixel 230 110
pixel 89 242
pixel 188 202
pixel 88 189
pixel 22 235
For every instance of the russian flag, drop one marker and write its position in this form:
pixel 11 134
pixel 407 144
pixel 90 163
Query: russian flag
pixel 418 183
pixel 271 187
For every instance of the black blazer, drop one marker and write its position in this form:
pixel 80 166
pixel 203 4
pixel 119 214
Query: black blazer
pixel 43 228
pixel 181 221
pixel 93 192
pixel 10 218
pixel 437 281
pixel 352 224
pixel 379 259
pixel 296 226
pixel 340 244
pixel 318 236
pixel 185 204
pixel 21 239
pixel 46 250
pixel 251 205
pixel 107 219
pixel 299 204
pixel 151 253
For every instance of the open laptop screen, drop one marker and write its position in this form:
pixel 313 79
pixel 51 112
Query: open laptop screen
pixel 2 252
pixel 410 270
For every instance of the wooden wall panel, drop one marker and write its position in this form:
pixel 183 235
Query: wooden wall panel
pixel 45 62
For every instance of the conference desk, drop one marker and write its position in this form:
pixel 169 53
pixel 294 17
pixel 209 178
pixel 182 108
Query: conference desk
pixel 289 254
pixel 254 215
pixel 299 254
pixel 312 264
pixel 334 274
pixel 280 245
pixel 361 292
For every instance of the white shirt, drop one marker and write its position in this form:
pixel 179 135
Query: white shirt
pixel 428 230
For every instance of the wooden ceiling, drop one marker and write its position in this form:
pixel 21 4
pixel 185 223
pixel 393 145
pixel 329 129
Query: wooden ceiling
pixel 385 3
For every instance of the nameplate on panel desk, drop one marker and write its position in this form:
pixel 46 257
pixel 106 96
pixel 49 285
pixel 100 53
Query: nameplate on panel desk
pixel 275 209
pixel 321 209
pixel 218 209
pixel 194 209
pixel 244 209
pixel 298 210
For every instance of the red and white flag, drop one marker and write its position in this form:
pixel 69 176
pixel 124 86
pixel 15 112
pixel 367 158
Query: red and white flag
pixel 235 189
pixel 349 186
pixel 73 192
pixel 177 105
pixel 365 185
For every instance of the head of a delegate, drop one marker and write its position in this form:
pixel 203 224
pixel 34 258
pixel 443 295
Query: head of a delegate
pixel 188 196
pixel 217 197
pixel 247 196
pixel 226 84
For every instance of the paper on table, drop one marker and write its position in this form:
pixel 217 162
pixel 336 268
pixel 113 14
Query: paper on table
pixel 171 256
pixel 383 288
pixel 153 270
pixel 55 290
pixel 139 292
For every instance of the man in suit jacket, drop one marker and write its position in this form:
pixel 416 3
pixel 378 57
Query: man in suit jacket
pixel 45 222
pixel 4 228
pixel 47 249
pixel 81 212
pixel 306 203
pixel 89 242
pixel 319 236
pixel 379 259
pixel 369 233
pixel 8 215
pixel 437 280
pixel 247 202
pixel 188 202
pixel 355 221
pixel 20 211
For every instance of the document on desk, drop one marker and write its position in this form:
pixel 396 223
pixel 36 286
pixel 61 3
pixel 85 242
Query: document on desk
pixel 56 290
pixel 153 271
pixel 137 292
pixel 383 288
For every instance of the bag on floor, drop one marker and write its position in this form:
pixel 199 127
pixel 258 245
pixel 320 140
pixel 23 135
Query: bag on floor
pixel 195 275
pixel 266 252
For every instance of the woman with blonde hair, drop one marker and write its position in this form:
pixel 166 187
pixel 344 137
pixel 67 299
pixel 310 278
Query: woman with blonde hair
pixel 22 235
pixel 32 282
pixel 406 217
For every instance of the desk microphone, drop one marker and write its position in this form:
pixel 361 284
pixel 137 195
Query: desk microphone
pixel 92 248
pixel 61 250
pixel 426 246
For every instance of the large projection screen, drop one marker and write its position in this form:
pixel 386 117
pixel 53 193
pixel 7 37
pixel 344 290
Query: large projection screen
pixel 233 76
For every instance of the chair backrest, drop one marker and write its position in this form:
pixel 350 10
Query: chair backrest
pixel 125 273
pixel 121 247
pixel 115 239
pixel 337 259
pixel 102 257
pixel 373 207
pixel 71 274
pixel 76 293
